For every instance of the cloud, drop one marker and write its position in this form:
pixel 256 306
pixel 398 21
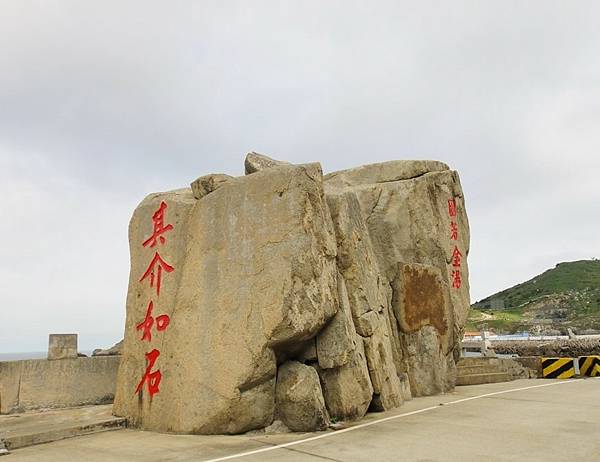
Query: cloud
pixel 103 102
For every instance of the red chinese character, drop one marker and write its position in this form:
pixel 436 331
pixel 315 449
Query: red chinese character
pixel 162 322
pixel 453 231
pixel 154 271
pixel 456 257
pixel 452 207
pixel 456 279
pixel 158 219
pixel 153 378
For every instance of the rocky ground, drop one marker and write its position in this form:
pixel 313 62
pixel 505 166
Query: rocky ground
pixel 563 348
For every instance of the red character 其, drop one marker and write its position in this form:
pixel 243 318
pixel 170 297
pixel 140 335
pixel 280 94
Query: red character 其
pixel 453 231
pixel 456 257
pixel 456 279
pixel 155 269
pixel 158 220
pixel 153 378
pixel 452 207
pixel 162 322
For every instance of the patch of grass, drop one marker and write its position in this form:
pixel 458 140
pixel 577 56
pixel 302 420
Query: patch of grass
pixel 568 276
pixel 574 286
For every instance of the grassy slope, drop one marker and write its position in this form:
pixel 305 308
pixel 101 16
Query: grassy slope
pixel 578 282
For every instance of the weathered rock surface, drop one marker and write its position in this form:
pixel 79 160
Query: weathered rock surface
pixel 256 162
pixel 254 271
pixel 347 389
pixel 405 207
pixel 294 296
pixel 336 343
pixel 299 398
pixel 114 350
pixel 208 183
pixel 384 172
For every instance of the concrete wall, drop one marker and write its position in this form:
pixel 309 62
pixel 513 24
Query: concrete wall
pixel 40 383
pixel 533 363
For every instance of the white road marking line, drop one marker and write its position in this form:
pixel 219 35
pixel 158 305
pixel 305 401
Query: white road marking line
pixel 386 419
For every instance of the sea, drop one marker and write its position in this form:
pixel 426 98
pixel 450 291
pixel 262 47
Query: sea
pixel 31 355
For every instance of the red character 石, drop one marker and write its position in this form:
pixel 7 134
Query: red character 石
pixel 456 279
pixel 155 269
pixel 153 378
pixel 158 221
pixel 452 207
pixel 162 322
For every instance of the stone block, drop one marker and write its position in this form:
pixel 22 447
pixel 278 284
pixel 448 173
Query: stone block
pixel 62 346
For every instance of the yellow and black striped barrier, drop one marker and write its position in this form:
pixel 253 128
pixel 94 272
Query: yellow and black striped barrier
pixel 589 366
pixel 558 368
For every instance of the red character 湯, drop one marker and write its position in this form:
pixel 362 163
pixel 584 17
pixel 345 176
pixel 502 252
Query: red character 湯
pixel 153 378
pixel 162 322
pixel 456 279
pixel 456 257
pixel 158 220
pixel 155 269
pixel 452 207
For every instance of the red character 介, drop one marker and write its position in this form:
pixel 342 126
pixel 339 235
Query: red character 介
pixel 155 269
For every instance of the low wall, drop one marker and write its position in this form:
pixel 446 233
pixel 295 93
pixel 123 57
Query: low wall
pixel 42 383
pixel 563 348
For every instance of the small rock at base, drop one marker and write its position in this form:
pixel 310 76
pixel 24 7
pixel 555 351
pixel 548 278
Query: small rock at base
pixel 299 398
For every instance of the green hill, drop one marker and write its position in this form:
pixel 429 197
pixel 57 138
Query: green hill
pixel 567 295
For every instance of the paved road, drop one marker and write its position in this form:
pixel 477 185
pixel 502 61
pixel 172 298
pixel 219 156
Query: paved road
pixel 531 420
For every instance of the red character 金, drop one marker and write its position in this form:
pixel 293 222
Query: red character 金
pixel 158 220
pixel 453 231
pixel 456 257
pixel 162 322
pixel 456 279
pixel 153 378
pixel 155 269
pixel 452 207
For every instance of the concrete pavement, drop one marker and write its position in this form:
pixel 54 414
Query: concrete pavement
pixel 534 420
pixel 29 428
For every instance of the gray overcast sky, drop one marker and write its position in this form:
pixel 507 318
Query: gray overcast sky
pixel 102 102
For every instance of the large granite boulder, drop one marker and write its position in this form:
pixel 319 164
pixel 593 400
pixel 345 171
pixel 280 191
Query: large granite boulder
pixel 247 269
pixel 287 295
pixel 418 232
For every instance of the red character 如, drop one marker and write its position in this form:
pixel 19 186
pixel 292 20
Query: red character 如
pixel 162 322
pixel 453 231
pixel 456 257
pixel 158 220
pixel 153 378
pixel 452 207
pixel 155 269
pixel 456 279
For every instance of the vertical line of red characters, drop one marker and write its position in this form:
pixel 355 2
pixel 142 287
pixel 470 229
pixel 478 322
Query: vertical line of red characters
pixel 154 275
pixel 456 257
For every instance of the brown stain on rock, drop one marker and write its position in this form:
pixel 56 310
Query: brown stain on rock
pixel 421 299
